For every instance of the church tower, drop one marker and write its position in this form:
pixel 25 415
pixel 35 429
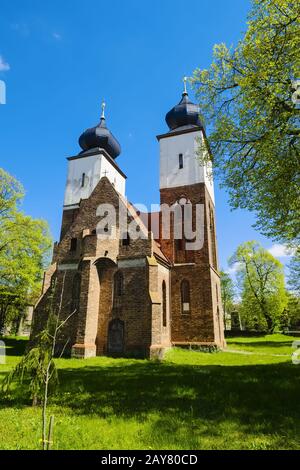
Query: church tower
pixel 186 185
pixel 97 159
pixel 108 280
pixel 120 288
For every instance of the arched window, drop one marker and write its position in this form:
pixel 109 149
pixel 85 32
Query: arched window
pixel 185 298
pixel 219 323
pixel 118 291
pixel 180 161
pixel 118 284
pixel 213 237
pixel 76 287
pixel 164 303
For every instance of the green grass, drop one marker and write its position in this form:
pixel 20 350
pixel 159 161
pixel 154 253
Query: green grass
pixel 270 344
pixel 192 401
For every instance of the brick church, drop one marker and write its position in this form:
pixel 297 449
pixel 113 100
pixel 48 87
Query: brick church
pixel 135 295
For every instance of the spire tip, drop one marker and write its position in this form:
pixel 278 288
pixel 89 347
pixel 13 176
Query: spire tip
pixel 103 105
pixel 185 79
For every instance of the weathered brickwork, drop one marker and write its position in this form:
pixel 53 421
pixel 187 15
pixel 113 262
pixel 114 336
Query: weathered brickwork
pixel 203 323
pixel 127 299
pixel 68 218
pixel 97 261
pixel 126 287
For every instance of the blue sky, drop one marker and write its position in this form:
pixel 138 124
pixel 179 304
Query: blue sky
pixel 59 59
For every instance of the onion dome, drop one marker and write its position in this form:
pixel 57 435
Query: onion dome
pixel 184 113
pixel 100 136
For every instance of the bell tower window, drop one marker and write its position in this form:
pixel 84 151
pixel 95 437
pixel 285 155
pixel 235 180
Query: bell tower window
pixel 83 180
pixel 180 159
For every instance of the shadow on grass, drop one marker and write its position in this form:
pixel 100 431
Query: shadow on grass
pixel 15 346
pixel 257 399
pixel 261 399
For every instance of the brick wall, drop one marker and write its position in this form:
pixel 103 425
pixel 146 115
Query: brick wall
pixel 140 307
pixel 201 324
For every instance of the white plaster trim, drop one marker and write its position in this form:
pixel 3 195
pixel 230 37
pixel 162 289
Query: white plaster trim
pixel 74 206
pixel 94 167
pixel 67 267
pixel 193 171
pixel 132 263
pixel 184 264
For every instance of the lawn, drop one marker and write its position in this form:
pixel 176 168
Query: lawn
pixel 244 399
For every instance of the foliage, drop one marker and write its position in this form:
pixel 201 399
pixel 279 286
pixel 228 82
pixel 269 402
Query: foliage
pixel 227 292
pixel 291 315
pixel 11 193
pixel 31 371
pixel 12 308
pixel 294 276
pixel 24 250
pixel 37 366
pixel 248 99
pixel 261 281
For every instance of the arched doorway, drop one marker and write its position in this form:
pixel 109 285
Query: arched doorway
pixel 115 341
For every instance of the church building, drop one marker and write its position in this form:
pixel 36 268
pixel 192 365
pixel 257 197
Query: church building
pixel 136 291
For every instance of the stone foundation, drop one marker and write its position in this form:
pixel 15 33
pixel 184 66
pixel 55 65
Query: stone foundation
pixel 83 351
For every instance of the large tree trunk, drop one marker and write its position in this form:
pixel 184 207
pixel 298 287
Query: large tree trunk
pixel 17 323
pixel 270 324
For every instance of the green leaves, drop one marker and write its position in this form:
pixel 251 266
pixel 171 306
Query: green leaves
pixel 261 282
pixel 294 277
pixel 246 99
pixel 25 246
pixel 11 193
pixel 30 372
pixel 227 292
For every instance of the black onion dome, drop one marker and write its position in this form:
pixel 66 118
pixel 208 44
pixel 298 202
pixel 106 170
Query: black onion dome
pixel 184 113
pixel 100 136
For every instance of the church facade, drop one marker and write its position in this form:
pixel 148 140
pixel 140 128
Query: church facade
pixel 129 282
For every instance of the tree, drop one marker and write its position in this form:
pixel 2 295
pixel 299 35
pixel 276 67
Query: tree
pixel 11 193
pixel 25 246
pixel 37 369
pixel 294 276
pixel 227 293
pixel 293 310
pixel 291 316
pixel 12 308
pixel 261 280
pixel 248 99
